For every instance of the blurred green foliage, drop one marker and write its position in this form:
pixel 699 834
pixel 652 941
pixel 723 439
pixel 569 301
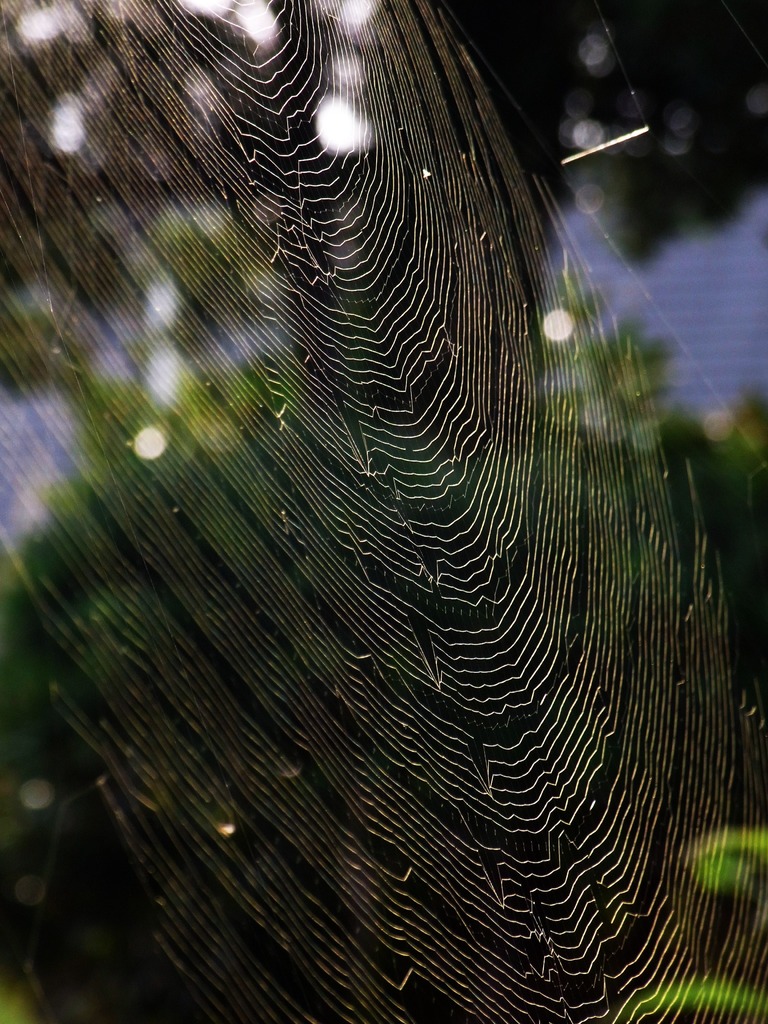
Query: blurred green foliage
pixel 721 463
pixel 88 928
pixel 696 995
pixel 71 905
pixel 15 1007
pixel 727 864
pixel 734 861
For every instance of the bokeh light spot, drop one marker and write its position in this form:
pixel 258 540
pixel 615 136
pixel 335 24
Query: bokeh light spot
pixel 36 794
pixel 595 53
pixel 340 128
pixel 589 198
pixel 588 133
pixel 40 26
pixel 558 325
pixel 150 443
pixel 258 21
pixel 162 304
pixel 29 890
pixel 718 424
pixel 209 7
pixel 757 100
pixel 67 124
pixel 164 376
pixel 355 13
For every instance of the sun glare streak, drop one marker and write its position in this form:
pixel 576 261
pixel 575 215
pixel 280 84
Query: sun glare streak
pixel 606 145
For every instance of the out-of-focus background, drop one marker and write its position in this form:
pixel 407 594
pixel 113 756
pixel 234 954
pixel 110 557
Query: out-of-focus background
pixel 673 229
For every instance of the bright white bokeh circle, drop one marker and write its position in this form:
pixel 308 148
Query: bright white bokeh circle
pixel 340 127
pixel 558 325
pixel 150 443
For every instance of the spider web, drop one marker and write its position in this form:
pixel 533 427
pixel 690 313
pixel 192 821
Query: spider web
pixel 409 709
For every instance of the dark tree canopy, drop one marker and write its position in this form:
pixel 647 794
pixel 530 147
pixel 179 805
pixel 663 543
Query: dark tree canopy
pixel 581 73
